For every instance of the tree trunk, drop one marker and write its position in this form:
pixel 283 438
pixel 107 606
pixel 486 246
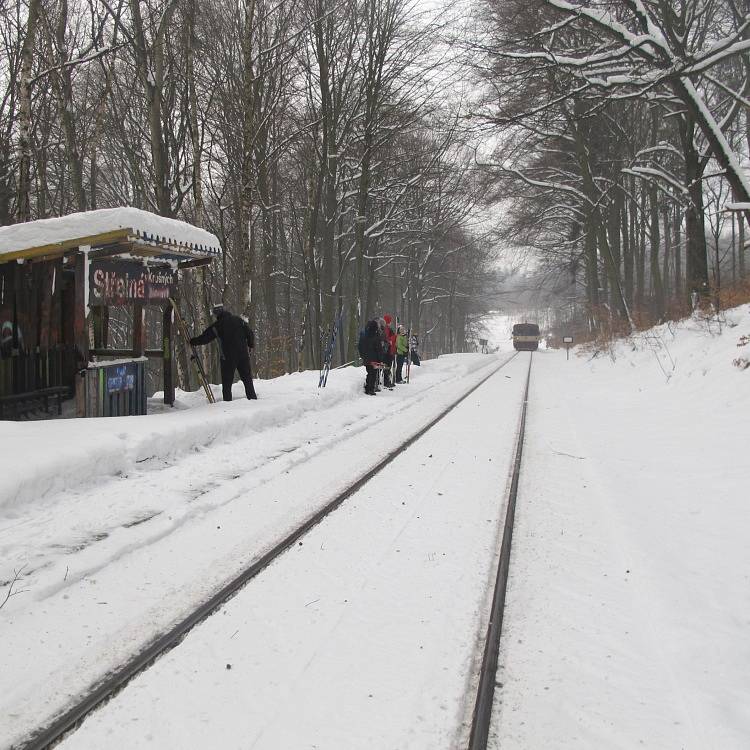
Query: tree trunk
pixel 640 268
pixel 657 290
pixel 667 219
pixel 247 302
pixel 195 139
pixel 64 90
pixel 628 246
pixel 696 251
pixel 23 209
pixel 678 289
pixel 151 72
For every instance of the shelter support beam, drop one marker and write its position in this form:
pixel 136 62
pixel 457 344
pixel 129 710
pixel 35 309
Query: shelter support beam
pixel 168 361
pixel 139 329
pixel 81 329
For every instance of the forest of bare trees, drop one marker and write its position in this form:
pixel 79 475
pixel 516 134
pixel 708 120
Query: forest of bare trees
pixel 338 149
pixel 625 135
pixel 315 138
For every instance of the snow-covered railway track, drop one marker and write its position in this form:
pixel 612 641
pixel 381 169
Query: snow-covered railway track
pixel 114 682
pixel 480 724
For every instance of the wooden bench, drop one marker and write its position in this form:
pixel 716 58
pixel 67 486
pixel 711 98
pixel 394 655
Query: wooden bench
pixel 23 403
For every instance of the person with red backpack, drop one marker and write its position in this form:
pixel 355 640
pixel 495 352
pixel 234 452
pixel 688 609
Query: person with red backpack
pixel 390 340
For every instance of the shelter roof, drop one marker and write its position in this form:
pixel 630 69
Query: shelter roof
pixel 141 231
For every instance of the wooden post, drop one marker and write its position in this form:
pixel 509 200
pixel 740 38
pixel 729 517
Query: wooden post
pixel 47 275
pixel 55 317
pixel 104 322
pixel 139 329
pixel 19 298
pixel 81 325
pixel 100 321
pixel 96 322
pixel 167 360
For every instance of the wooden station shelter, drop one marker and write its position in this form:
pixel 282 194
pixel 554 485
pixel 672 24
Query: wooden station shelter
pixel 59 279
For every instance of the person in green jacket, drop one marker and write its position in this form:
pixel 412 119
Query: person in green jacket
pixel 402 350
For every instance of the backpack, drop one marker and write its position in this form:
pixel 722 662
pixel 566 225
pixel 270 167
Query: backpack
pixel 249 335
pixel 362 344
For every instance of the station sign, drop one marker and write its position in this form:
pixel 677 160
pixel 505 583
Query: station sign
pixel 567 340
pixel 124 282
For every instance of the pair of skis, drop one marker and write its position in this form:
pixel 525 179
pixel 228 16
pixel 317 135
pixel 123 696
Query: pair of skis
pixel 408 354
pixel 194 358
pixel 329 351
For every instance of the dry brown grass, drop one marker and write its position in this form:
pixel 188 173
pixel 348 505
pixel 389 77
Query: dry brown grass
pixel 735 294
pixel 612 329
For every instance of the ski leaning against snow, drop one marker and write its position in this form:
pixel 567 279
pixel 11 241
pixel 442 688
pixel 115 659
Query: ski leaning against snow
pixel 330 348
pixel 408 353
pixel 194 357
pixel 395 354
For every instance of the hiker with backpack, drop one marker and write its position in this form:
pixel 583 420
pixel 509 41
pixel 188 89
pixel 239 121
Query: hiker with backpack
pixel 390 351
pixel 371 350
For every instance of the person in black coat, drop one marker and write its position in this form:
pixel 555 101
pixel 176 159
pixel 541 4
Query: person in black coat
pixel 236 341
pixel 371 351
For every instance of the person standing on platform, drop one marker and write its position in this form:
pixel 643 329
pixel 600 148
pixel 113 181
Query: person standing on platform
pixel 371 351
pixel 413 346
pixel 390 341
pixel 236 340
pixel 402 350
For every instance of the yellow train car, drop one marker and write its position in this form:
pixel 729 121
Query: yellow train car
pixel 526 337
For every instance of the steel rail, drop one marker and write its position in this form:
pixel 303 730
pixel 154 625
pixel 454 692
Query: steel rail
pixel 480 724
pixel 110 685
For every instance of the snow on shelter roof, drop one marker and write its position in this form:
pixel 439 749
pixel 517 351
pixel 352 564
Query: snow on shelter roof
pixel 84 228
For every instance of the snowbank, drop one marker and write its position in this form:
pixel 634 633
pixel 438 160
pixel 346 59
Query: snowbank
pixel 40 458
pixel 110 561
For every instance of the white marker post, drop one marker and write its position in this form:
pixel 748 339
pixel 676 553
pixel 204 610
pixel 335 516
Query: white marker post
pixel 567 340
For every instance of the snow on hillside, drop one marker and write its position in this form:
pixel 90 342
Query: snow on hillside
pixel 629 601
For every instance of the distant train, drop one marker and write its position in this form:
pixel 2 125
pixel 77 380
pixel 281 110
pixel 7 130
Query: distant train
pixel 526 336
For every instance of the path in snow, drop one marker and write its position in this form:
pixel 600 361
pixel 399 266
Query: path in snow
pixel 105 583
pixel 628 604
pixel 369 633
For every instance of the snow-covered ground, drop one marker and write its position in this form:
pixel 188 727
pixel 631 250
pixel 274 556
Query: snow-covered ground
pixel 628 611
pixel 120 526
pixel 365 635
pixel 629 600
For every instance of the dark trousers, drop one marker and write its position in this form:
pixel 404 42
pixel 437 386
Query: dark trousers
pixel 414 358
pixel 228 367
pixel 400 359
pixel 387 363
pixel 372 374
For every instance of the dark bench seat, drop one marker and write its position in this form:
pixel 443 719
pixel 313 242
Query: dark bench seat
pixel 22 403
